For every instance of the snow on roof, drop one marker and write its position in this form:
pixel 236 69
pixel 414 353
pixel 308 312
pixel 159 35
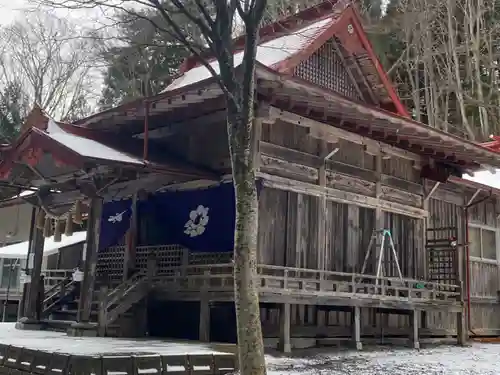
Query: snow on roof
pixel 20 250
pixel 87 147
pixel 486 178
pixel 26 193
pixel 269 53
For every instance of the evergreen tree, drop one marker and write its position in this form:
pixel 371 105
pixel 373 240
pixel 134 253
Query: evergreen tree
pixel 144 62
pixel 13 109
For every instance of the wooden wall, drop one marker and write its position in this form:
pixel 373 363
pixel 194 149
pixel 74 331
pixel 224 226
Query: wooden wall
pixel 484 276
pixel 289 222
pixel 288 234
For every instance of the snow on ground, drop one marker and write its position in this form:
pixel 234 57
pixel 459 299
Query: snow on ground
pixel 480 359
pixel 60 342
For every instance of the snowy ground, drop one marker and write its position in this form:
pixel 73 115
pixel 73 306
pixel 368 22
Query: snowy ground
pixel 479 359
pixel 483 359
pixel 59 342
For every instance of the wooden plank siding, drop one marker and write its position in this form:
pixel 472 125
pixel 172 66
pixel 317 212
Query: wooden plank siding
pixel 288 219
pixel 290 216
pixel 484 276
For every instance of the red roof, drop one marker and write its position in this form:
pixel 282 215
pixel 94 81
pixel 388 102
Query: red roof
pixel 283 45
pixel 494 144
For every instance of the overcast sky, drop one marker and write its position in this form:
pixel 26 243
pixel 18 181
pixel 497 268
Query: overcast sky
pixel 9 9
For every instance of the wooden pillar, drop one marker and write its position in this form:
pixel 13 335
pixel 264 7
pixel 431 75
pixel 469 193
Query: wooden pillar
pixel 356 327
pixel 204 320
pixel 103 311
pixel 322 233
pixel 462 329
pixel 37 255
pixel 379 215
pixel 21 308
pixel 285 343
pixel 129 257
pixel 414 335
pixel 462 335
pixel 90 261
pixel 204 327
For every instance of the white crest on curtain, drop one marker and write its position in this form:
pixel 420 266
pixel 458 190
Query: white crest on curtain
pixel 198 220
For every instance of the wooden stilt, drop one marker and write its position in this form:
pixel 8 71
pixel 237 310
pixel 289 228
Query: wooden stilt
pixel 204 320
pixel 461 329
pixel 285 344
pixel 357 328
pixel 414 336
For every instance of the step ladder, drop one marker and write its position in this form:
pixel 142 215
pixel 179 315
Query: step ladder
pixel 381 239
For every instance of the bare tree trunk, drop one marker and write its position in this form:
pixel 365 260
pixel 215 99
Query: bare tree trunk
pixel 456 68
pixel 250 344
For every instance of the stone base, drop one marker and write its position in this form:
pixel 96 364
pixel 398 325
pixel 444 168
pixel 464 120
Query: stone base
pixel 29 324
pixel 82 330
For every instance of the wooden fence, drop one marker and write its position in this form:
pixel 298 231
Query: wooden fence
pixel 23 361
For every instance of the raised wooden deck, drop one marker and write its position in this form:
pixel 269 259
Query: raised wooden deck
pixel 311 287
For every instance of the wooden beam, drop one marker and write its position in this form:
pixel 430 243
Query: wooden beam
pixel 341 196
pixel 476 193
pixel 428 195
pixel 320 129
pixel 176 127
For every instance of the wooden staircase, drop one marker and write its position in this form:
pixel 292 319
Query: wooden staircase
pixel 113 311
pixel 112 305
pixel 57 294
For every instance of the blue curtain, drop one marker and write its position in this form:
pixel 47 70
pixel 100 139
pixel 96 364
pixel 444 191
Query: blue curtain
pixel 115 222
pixel 201 220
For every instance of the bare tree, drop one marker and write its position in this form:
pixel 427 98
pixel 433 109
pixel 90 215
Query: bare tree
pixel 216 20
pixel 448 67
pixel 50 59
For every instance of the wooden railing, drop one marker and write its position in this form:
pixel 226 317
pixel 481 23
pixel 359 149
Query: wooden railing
pixel 119 300
pixel 56 293
pixel 277 279
pixel 54 276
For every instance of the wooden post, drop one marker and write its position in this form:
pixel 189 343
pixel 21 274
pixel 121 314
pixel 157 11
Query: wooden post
pixel 462 336
pixel 103 311
pixel 129 257
pixel 462 329
pixel 414 336
pixel 356 322
pixel 285 344
pixel 204 319
pixel 87 289
pixel 36 271
pixel 204 327
pixel 322 217
pixel 21 308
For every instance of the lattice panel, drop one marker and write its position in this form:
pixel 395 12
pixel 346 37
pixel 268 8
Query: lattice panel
pixel 325 68
pixel 442 259
pixel 168 257
pixel 110 264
